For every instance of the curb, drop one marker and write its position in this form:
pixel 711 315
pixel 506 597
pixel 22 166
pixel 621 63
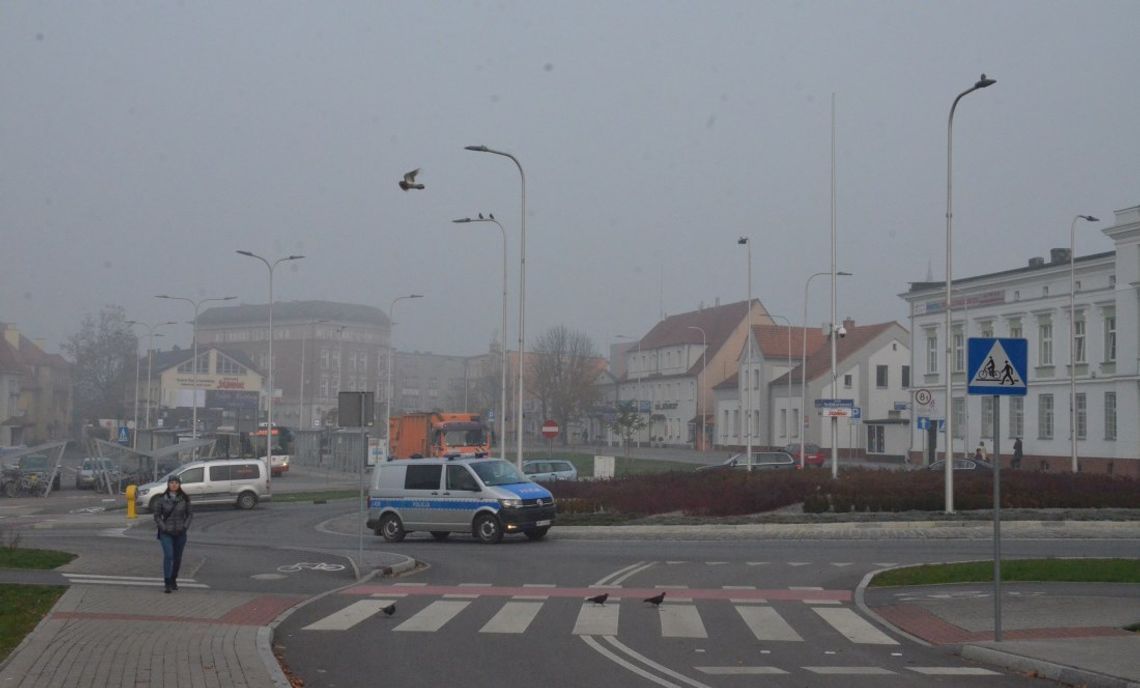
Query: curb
pixel 862 605
pixel 1056 672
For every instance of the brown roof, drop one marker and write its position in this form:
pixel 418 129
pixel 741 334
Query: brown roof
pixel 773 340
pixel 818 363
pixel 718 322
pixel 10 360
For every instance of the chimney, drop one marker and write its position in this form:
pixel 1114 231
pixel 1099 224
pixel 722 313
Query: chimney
pixel 1059 255
pixel 849 322
pixel 1036 262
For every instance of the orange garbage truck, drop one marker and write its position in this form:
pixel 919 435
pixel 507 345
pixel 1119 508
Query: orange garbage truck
pixel 428 434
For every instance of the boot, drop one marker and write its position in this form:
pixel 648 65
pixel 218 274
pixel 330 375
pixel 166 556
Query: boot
pixel 168 589
pixel 174 584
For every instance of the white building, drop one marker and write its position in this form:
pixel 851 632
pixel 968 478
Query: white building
pixel 1032 302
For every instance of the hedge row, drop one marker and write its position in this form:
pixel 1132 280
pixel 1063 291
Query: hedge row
pixel 733 493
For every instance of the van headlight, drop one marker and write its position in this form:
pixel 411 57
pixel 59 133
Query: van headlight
pixel 511 503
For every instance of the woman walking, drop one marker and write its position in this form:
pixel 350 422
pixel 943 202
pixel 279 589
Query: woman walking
pixel 173 517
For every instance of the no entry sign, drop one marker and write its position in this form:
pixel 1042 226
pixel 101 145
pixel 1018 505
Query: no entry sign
pixel 550 429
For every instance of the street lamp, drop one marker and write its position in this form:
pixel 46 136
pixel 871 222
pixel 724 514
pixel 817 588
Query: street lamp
pixel 982 82
pixel 622 336
pixel 151 327
pixel 196 304
pixel 748 361
pixel 269 399
pixel 522 289
pixel 388 386
pixel 803 361
pixel 502 338
pixel 1073 332
pixel 701 379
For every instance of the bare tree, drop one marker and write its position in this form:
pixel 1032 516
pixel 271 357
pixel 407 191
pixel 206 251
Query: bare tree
pixel 104 351
pixel 564 368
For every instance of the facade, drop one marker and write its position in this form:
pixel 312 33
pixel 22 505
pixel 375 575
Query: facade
pixel 43 411
pixel 320 348
pixel 671 371
pixel 1032 302
pixel 872 369
pixel 423 381
pixel 11 416
pixel 230 389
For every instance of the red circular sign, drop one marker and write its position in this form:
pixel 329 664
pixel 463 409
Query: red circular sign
pixel 550 429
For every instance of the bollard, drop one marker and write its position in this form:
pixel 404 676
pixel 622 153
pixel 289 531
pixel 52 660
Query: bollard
pixel 131 490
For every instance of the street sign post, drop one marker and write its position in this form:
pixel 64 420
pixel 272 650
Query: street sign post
pixel 550 431
pixel 835 408
pixel 124 435
pixel 997 367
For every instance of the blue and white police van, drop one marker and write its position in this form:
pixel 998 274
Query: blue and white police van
pixel 484 497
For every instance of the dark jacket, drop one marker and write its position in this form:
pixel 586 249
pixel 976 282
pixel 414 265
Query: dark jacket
pixel 173 515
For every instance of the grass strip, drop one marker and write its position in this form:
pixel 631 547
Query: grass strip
pixel 326 495
pixel 1016 570
pixel 21 608
pixel 22 558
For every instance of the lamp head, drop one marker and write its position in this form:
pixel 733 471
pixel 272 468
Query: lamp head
pixel 294 257
pixel 163 296
pixel 462 220
pixel 477 149
pixel 742 240
pixel 415 296
pixel 984 82
pixel 844 274
pixel 1089 218
pixel 246 253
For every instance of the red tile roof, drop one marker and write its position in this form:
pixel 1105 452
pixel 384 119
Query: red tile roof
pixel 773 340
pixel 818 363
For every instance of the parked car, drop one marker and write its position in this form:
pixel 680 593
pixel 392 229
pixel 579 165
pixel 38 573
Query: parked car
pixel 963 465
pixel 89 471
pixel 761 461
pixel 240 482
pixel 814 455
pixel 545 470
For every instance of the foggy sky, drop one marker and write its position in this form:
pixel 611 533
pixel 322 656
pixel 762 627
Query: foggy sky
pixel 141 144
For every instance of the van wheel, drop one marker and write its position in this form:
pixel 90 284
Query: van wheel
pixel 536 533
pixel 246 500
pixel 391 528
pixel 488 530
pixel 440 535
pixel 153 507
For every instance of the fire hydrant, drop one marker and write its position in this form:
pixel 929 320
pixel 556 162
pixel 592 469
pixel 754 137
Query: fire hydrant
pixel 131 490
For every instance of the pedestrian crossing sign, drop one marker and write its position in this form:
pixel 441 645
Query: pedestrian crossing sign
pixel 997 366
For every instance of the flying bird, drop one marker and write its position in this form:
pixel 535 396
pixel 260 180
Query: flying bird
pixel 656 600
pixel 599 599
pixel 409 180
pixel 389 610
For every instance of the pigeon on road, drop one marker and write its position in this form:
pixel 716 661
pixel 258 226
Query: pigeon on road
pixel 599 599
pixel 389 610
pixel 656 600
pixel 409 180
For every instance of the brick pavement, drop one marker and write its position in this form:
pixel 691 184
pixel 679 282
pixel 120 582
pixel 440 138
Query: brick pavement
pixel 922 623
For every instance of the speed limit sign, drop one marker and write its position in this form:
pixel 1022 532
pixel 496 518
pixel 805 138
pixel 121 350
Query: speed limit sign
pixel 923 397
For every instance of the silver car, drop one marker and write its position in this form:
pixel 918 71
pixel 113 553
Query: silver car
pixel 92 468
pixel 240 482
pixel 546 470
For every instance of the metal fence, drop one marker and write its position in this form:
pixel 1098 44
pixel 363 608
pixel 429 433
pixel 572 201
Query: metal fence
pixel 334 451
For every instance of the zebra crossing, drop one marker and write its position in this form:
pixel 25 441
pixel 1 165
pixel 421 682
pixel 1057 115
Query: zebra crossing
pixel 140 581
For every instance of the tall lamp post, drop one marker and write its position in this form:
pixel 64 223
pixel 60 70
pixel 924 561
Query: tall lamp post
pixel 388 386
pixel 803 360
pixel 269 397
pixel 522 290
pixel 639 369
pixel 748 361
pixel 151 327
pixel 1073 332
pixel 701 379
pixel 502 338
pixel 981 83
pixel 197 305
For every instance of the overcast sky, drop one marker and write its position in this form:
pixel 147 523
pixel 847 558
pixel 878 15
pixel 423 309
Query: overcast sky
pixel 141 144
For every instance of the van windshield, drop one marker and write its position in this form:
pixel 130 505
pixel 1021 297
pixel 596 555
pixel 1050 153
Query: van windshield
pixel 464 438
pixel 497 473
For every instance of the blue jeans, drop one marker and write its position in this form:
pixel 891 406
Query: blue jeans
pixel 172 546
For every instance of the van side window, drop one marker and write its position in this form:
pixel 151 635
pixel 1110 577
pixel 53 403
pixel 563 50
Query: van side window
pixel 192 475
pixel 458 478
pixel 219 473
pixel 244 471
pixel 422 477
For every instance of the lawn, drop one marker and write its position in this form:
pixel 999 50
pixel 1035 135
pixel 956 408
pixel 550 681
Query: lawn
pixel 1017 570
pixel 20 558
pixel 23 606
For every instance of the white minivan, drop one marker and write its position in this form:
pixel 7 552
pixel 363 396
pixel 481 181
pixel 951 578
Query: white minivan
pixel 484 497
pixel 241 482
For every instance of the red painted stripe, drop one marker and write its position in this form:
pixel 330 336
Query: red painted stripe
pixel 615 593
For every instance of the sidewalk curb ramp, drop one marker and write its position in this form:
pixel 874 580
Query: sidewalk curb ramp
pixel 1056 672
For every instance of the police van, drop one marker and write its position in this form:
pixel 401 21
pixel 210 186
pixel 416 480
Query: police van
pixel 484 497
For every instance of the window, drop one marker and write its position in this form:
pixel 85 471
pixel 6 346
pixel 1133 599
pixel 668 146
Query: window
pixel 192 475
pixel 324 358
pixel 959 350
pixel 1015 329
pixel 422 477
pixel 1079 341
pixel 1045 344
pixel 1082 416
pixel 736 423
pixel 875 439
pixel 795 422
pixel 1109 338
pixel 1045 290
pixel 783 422
pixel 987 329
pixel 959 418
pixel 881 376
pixel 906 377
pixel 203 365
pixel 756 379
pixel 245 471
pixel 459 478
pixel 1016 295
pixel 931 351
pixel 324 386
pixel 1016 416
pixel 987 417
pixel 227 366
pixel 219 473
pixel 1045 416
pixel 847 381
pixel 1110 415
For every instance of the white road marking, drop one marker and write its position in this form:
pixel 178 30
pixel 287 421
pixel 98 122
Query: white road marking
pixel 597 647
pixel 854 627
pixel 715 563
pixel 884 564
pixel 433 617
pixel 804 587
pixel 597 620
pixel 514 617
pixel 822 602
pixel 118 578
pixel 622 578
pixel 766 624
pixel 756 563
pixel 840 563
pixel 798 563
pixel 682 621
pixel 861 671
pixel 349 616
pixel 409 585
pixel 617 644
pixel 740 670
pixel 953 671
pixel 603 581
